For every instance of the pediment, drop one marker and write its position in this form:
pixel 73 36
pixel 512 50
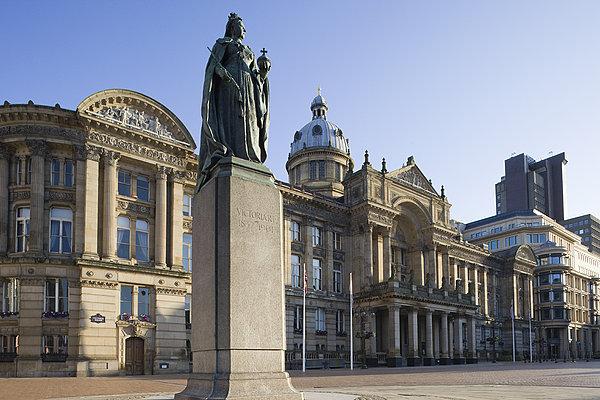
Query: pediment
pixel 138 113
pixel 413 176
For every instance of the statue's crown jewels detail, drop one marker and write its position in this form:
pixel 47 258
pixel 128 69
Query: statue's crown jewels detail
pixel 234 16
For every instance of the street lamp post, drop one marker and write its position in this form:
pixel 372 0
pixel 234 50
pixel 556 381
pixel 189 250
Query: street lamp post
pixel 363 334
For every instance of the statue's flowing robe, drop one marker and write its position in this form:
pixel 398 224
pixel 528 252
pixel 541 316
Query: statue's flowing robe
pixel 235 119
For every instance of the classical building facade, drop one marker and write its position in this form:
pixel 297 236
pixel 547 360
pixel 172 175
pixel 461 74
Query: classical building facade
pixel 95 237
pixel 566 283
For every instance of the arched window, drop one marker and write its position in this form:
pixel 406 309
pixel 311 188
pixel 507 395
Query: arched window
pixel 123 234
pixel 141 240
pixel 61 230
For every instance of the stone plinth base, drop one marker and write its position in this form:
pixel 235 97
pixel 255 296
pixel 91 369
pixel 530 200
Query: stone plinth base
pixel 471 361
pixel 372 362
pixel 238 335
pixel 428 361
pixel 445 361
pixel 395 362
pixel 460 360
pixel 414 361
pixel 259 386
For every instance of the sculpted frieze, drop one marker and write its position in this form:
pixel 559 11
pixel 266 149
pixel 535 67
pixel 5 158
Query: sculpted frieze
pixel 136 119
pixel 297 247
pixel 17 195
pixel 133 207
pixel 171 291
pixel 319 252
pixel 54 195
pixel 338 256
pixel 302 207
pixel 135 148
pixel 187 225
pixel 99 284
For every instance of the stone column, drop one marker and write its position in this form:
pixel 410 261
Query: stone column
pixel 368 256
pixel 494 292
pixel 451 338
pixel 476 285
pixel 436 338
pixel 5 154
pixel 466 277
pixel 472 340
pixel 458 341
pixel 444 339
pixel 308 255
pixel 418 268
pixel 90 175
pixel 485 293
pixel 446 268
pixel 176 226
pixel 328 262
pixel 413 338
pixel 428 360
pixel 394 346
pixel 515 294
pixel 109 220
pixel 79 223
pixel 530 295
pixel 387 255
pixel 432 265
pixel 160 219
pixel 36 225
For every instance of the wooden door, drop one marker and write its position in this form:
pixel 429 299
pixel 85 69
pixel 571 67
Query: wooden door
pixel 134 356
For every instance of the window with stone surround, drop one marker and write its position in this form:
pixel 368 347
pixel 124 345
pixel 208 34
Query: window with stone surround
pixel 61 230
pixel 337 277
pixel 143 303
pixel 187 309
pixel 297 319
pixel 295 227
pixel 186 254
pixel 123 237
pixel 142 186
pixel 312 167
pixel 296 271
pixel 8 344
pixel 317 274
pixel 54 348
pixel 187 205
pixel 56 295
pixel 340 326
pixel 55 172
pixel 337 241
pixel 22 229
pixel 10 296
pixel 141 240
pixel 124 183
pixel 320 320
pixel 317 236
pixel 68 168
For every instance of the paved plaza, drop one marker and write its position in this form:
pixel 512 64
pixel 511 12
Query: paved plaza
pixel 505 381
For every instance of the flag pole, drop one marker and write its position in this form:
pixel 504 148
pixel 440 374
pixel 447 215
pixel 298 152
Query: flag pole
pixel 530 343
pixel 304 321
pixel 512 316
pixel 351 329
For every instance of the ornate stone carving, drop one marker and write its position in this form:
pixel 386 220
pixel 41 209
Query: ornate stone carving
pixel 133 207
pixel 136 119
pixel 98 284
pixel 162 172
pixel 17 195
pixel 135 148
pixel 41 130
pixel 187 225
pixel 110 157
pixel 171 291
pixel 179 176
pixel 6 152
pixel 54 195
pixel 36 147
pixel 413 178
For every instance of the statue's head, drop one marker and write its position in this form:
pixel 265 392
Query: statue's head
pixel 235 28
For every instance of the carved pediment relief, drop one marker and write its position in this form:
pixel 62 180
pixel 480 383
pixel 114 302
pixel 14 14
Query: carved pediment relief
pixel 138 113
pixel 412 175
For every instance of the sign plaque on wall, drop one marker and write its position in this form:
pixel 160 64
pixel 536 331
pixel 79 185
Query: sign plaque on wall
pixel 98 318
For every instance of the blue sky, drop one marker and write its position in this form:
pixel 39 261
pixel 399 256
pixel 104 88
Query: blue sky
pixel 458 84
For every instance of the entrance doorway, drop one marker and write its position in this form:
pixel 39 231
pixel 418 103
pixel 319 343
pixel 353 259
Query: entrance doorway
pixel 134 356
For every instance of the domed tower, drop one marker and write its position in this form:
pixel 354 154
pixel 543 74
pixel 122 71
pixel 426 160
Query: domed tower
pixel 320 154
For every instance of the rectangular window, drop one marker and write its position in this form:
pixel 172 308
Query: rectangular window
pixel 295 271
pixel 320 319
pixel 186 256
pixel 337 277
pixel 126 299
pixel 143 302
pixel 338 171
pixel 317 271
pixel 56 297
pixel 61 230
pixel 559 313
pixel 68 173
pixel 317 234
pixel 298 318
pixel 312 167
pixel 493 245
pixel 143 188
pixel 124 183
pixel 187 309
pixel 19 171
pixel 337 241
pixel 141 240
pixel 187 205
pixel 48 344
pixel 536 238
pixel 22 230
pixel 339 321
pixel 123 237
pixel 322 171
pixel 29 169
pixel 295 231
pixel 55 172
pixel 8 344
pixel 10 295
pixel 511 241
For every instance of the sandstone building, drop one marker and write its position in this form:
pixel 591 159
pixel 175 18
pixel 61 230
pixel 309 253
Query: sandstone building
pixel 96 236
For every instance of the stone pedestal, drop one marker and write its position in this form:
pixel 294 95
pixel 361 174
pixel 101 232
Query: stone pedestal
pixel 238 335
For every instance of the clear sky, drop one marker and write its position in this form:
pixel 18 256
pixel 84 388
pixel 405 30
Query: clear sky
pixel 458 84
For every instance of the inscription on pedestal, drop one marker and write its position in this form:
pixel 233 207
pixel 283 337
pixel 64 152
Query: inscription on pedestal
pixel 255 221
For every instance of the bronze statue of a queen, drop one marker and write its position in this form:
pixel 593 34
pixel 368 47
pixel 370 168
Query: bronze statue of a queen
pixel 235 102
